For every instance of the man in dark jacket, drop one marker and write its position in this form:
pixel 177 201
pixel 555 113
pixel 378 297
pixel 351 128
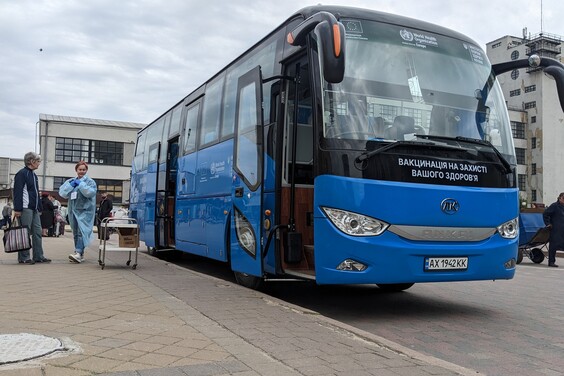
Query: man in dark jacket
pixel 104 211
pixel 27 207
pixel 554 218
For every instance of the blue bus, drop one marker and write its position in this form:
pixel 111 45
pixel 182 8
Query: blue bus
pixel 348 146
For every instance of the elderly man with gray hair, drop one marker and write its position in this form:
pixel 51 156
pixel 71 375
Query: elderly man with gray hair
pixel 27 207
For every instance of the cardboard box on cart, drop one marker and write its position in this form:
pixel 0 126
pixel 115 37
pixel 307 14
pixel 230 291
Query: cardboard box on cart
pixel 128 237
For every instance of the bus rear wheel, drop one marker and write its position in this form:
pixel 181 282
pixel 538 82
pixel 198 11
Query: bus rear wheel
pixel 249 281
pixel 394 287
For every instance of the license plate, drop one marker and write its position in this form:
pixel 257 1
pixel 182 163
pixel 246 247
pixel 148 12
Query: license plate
pixel 446 263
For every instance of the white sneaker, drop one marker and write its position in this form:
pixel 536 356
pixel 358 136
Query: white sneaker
pixel 76 257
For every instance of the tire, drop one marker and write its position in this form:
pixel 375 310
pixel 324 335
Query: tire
pixel 536 255
pixel 394 287
pixel 519 256
pixel 249 281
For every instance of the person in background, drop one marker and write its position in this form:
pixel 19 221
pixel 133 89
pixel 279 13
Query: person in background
pixel 7 215
pixel 56 206
pixel 47 215
pixel 27 207
pixel 81 195
pixel 104 211
pixel 553 217
pixel 61 220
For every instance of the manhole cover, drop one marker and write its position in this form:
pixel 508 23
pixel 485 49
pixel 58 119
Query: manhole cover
pixel 25 346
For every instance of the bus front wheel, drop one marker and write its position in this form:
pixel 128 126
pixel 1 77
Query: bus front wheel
pixel 394 287
pixel 249 281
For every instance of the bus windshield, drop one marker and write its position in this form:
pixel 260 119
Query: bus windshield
pixel 402 82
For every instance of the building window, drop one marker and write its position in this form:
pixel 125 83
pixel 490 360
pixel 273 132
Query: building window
pixel 58 181
pixel 496 45
pixel 518 129
pixel 533 142
pixel 533 168
pixel 112 187
pixel 514 93
pixel 515 74
pixel 91 151
pixel 533 119
pixel 515 55
pixel 534 195
pixel 521 181
pixel 520 153
pixel 529 105
pixel 530 88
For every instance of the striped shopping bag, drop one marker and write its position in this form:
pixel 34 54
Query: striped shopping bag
pixel 16 238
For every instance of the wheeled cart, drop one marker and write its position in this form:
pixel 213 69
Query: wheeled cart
pixel 129 243
pixel 533 236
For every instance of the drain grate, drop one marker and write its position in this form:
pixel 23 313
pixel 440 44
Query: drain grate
pixel 25 346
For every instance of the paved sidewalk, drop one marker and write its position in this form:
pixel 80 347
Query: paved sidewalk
pixel 160 319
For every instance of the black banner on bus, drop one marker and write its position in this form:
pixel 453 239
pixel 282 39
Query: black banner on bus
pixel 416 169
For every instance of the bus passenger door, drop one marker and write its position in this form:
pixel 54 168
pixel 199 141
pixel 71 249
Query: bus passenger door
pixel 166 192
pixel 246 238
pixel 151 194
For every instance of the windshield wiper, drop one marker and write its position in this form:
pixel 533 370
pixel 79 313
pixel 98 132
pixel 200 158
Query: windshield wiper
pixel 369 154
pixel 474 141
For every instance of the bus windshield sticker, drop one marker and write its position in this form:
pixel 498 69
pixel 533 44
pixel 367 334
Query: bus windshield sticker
pixel 476 54
pixel 418 39
pixel 353 26
pixel 388 34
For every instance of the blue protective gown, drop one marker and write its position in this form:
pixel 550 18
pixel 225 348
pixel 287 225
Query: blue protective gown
pixel 82 209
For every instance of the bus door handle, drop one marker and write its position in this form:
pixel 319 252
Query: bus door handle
pixel 239 192
pixel 183 181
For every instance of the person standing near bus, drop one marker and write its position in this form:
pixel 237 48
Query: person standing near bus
pixel 7 215
pixel 81 195
pixel 27 207
pixel 104 211
pixel 553 217
pixel 47 215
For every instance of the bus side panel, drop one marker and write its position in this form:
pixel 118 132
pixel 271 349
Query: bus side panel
pixel 137 200
pixel 150 202
pixel 189 220
pixel 185 183
pixel 193 248
pixel 213 187
pixel 392 259
pixel 216 226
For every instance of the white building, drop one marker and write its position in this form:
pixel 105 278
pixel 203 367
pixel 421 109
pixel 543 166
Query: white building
pixel 536 116
pixel 107 146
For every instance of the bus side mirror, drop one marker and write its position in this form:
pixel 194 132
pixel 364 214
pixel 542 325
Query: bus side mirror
pixel 551 67
pixel 330 35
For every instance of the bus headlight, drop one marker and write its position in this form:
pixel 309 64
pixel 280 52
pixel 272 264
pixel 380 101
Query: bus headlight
pixel 510 229
pixel 355 224
pixel 245 233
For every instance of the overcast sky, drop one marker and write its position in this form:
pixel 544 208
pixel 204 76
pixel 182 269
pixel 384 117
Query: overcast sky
pixel 130 60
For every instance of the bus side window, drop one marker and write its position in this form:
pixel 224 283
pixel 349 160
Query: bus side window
pixel 190 128
pixel 211 112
